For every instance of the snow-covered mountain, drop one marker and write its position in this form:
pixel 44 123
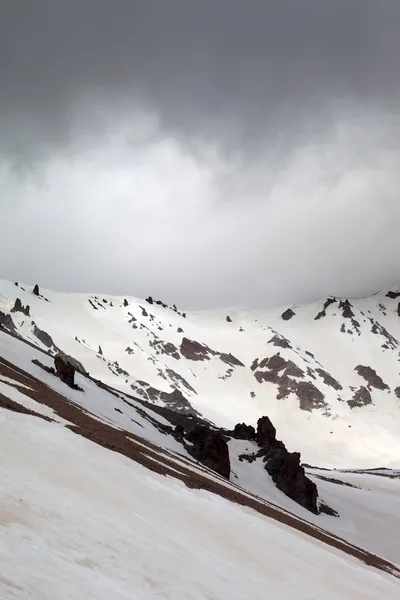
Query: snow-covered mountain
pixel 101 486
pixel 326 374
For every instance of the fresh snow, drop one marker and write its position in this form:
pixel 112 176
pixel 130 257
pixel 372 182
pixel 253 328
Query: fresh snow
pixel 79 521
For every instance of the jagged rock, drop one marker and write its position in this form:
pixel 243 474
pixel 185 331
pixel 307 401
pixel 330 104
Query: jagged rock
pixel 210 448
pixel 149 300
pixel 100 351
pixel 284 467
pixel 289 476
pixel 393 295
pixel 229 320
pixel 242 431
pixel 266 432
pixel 19 307
pixel 126 303
pixel 36 290
pixel 288 314
pixel 397 391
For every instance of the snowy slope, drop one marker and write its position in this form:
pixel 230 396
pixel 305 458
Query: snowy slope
pixel 326 374
pixel 105 524
pixel 80 521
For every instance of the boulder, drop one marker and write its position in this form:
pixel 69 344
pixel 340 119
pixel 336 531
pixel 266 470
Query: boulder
pixel 65 370
pixel 210 448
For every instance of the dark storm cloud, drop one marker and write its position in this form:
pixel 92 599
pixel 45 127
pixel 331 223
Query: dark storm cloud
pixel 208 152
pixel 228 67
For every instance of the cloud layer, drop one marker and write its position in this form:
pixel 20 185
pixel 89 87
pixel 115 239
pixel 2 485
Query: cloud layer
pixel 212 154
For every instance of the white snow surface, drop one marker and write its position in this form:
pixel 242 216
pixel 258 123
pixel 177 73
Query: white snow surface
pixel 79 521
pixel 131 333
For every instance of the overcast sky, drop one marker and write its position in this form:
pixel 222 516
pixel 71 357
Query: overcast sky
pixel 208 153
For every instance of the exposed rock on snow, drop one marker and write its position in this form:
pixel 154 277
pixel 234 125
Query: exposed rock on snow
pixel 285 468
pixel 210 448
pixel 19 307
pixel 288 314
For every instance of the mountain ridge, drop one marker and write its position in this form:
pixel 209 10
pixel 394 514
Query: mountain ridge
pixel 331 366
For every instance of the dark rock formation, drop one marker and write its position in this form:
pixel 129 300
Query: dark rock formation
pixel 149 300
pixel 284 467
pixel 266 432
pixel 393 295
pixel 65 370
pixel 328 379
pixel 126 303
pixel 193 350
pixel 179 432
pixel 289 477
pixel 100 351
pixel 229 320
pixel 288 314
pixel 210 448
pixel 279 340
pixel 19 307
pixel 289 378
pixel 372 378
pixel 361 397
pixel 229 359
pixel 6 321
pixel 36 290
pixel 322 313
pixel 242 431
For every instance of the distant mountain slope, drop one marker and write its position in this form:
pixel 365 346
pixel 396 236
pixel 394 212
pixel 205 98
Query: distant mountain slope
pixel 327 374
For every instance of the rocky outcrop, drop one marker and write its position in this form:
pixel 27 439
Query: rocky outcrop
pixel 19 307
pixel 361 397
pixel 288 314
pixel 193 350
pixel 372 378
pixel 289 476
pixel 284 467
pixel 65 370
pixel 36 290
pixel 242 431
pixel 290 379
pixel 210 448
